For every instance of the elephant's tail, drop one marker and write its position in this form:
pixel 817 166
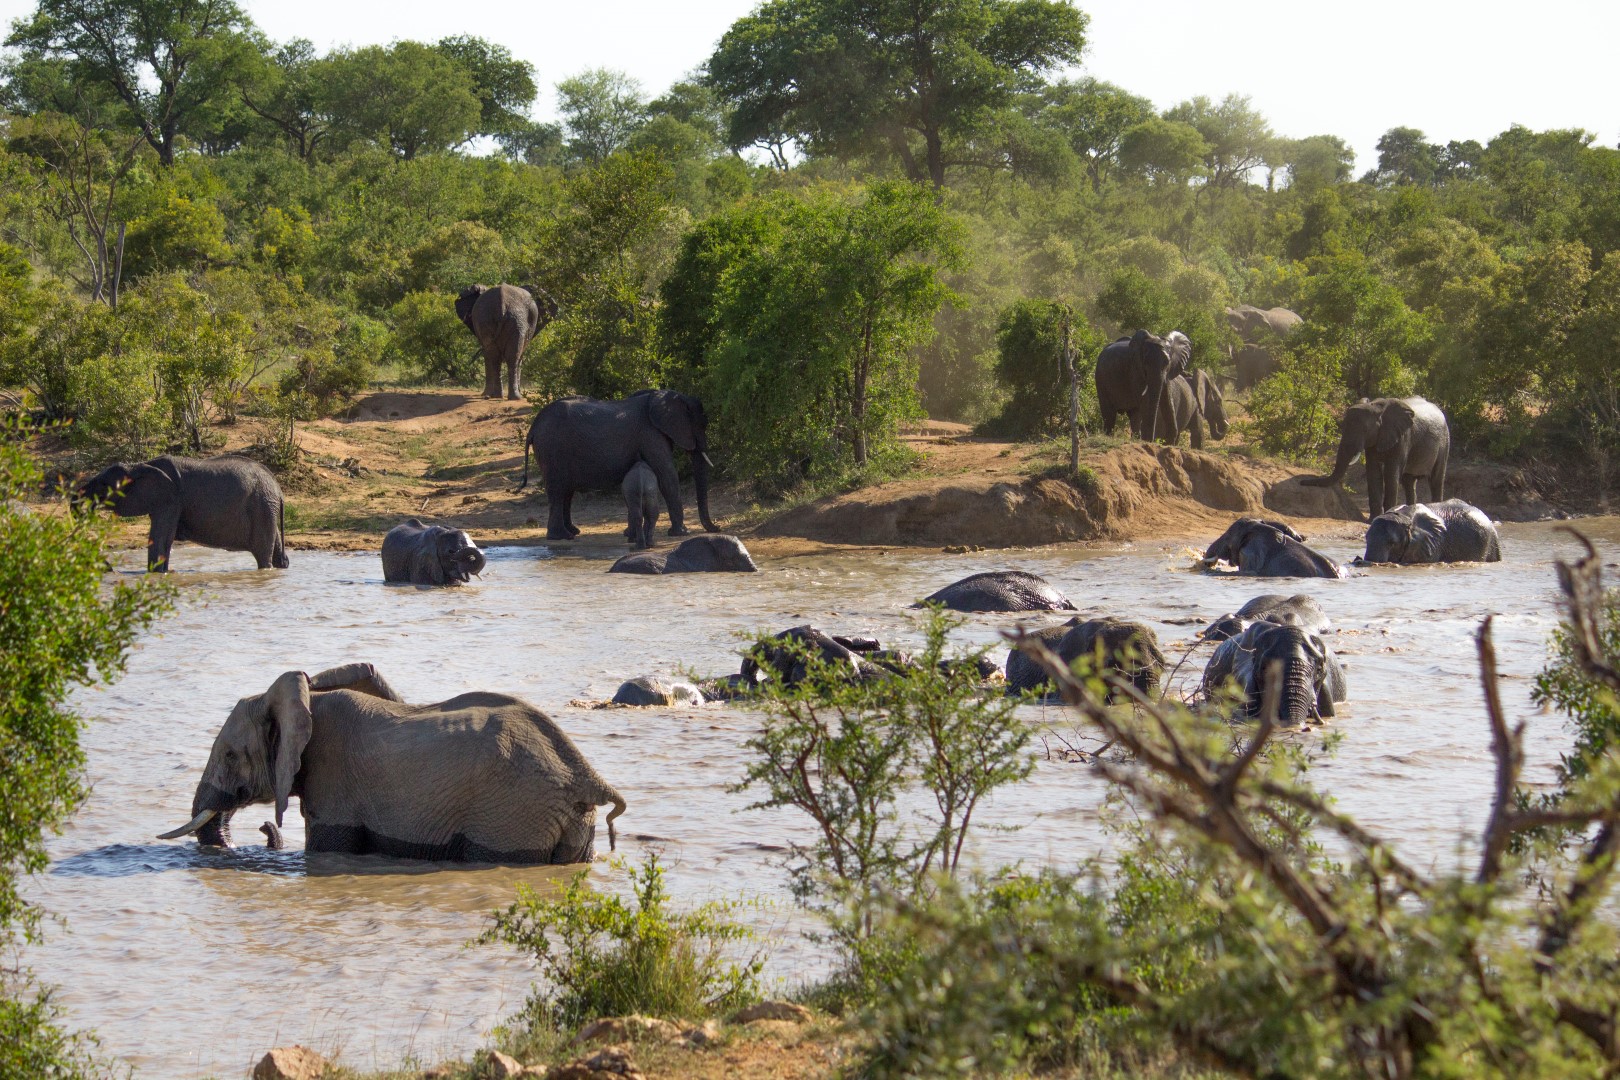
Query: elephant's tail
pixel 525 482
pixel 278 555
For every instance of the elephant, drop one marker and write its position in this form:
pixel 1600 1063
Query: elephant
pixel 482 777
pixel 1269 549
pixel 1000 590
pixel 582 443
pixel 696 555
pixel 429 555
pixel 225 502
pixel 650 691
pixel 1251 363
pixel 1189 402
pixel 1130 650
pixel 504 319
pixel 1299 609
pixel 1450 531
pixel 1131 375
pixel 854 658
pixel 1404 439
pixel 1255 325
pixel 641 504
pixel 1312 677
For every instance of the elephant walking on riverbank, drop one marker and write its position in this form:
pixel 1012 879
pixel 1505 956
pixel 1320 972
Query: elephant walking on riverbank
pixel 225 502
pixel 1132 374
pixel 504 319
pixel 1404 439
pixel 482 777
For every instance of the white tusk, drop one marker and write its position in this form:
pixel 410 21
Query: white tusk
pixel 707 462
pixel 186 830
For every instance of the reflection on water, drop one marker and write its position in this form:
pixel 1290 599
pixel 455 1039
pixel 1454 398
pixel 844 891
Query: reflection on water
pixel 188 962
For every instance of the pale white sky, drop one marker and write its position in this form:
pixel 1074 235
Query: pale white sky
pixel 1457 69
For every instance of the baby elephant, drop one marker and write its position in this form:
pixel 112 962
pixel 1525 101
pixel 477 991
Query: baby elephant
pixel 429 555
pixel 641 503
pixel 1129 650
pixel 710 553
pixel 1450 531
pixel 1269 549
pixel 1312 679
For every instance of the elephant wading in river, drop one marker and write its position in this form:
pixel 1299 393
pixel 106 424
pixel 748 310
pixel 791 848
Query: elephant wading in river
pixel 1403 438
pixel 1269 549
pixel 1310 677
pixel 1121 648
pixel 1000 590
pixel 1189 403
pixel 225 502
pixel 1131 377
pixel 479 778
pixel 429 555
pixel 582 444
pixel 504 319
pixel 1299 609
pixel 1450 531
pixel 640 489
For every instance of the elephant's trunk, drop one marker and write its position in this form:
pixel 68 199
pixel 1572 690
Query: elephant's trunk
pixel 1297 704
pixel 618 808
pixel 1341 465
pixel 470 561
pixel 700 476
pixel 1150 423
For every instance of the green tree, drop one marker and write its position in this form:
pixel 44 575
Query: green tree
pixel 287 89
pixel 1166 151
pixel 1317 161
pixel 1030 365
pixel 1237 136
pixel 503 84
pixel 1380 344
pixel 601 110
pixel 1405 156
pixel 430 342
pixel 408 97
pixel 1093 116
pixel 839 75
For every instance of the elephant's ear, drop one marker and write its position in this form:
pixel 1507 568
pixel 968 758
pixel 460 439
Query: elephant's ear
pixel 361 678
pixel 1395 426
pixel 291 725
pixel 1179 349
pixel 669 414
pixel 464 303
pixel 150 491
pixel 545 302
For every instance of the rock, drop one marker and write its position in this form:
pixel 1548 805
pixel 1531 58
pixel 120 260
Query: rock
pixel 290 1063
pixel 647 690
pixel 772 1010
pixel 620 1028
pixel 610 1063
pixel 705 1034
pixel 505 1066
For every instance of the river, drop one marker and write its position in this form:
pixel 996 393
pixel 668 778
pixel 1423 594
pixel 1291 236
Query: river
pixel 189 964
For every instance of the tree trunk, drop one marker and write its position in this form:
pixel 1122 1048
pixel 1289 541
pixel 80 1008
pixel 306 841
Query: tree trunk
pixel 857 403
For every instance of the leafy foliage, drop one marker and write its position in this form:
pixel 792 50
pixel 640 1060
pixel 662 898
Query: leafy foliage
pixel 1030 366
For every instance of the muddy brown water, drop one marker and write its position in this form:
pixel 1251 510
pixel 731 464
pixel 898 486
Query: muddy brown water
pixel 191 964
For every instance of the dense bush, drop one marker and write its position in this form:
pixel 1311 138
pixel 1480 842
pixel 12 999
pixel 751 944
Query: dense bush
pixel 1030 367
pixel 431 344
pixel 1294 413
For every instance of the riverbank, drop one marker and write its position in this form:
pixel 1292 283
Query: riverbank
pixel 451 457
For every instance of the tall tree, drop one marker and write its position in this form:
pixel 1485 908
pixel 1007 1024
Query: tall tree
pixel 287 89
pixel 165 60
pixel 837 74
pixel 1239 137
pixel 408 96
pixel 1093 116
pixel 503 84
pixel 601 109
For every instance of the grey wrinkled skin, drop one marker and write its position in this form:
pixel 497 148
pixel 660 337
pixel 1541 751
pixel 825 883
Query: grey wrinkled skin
pixel 640 490
pixel 504 319
pixel 1000 590
pixel 1404 440
pixel 1132 374
pixel 709 554
pixel 225 502
pixel 1450 531
pixel 481 777
pixel 647 690
pixel 1190 402
pixel 1312 679
pixel 429 555
pixel 1128 649
pixel 1270 549
pixel 581 444
pixel 786 663
pixel 1299 609
pixel 1260 325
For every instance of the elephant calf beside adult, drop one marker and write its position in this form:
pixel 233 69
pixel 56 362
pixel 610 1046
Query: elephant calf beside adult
pixel 582 444
pixel 1132 374
pixel 225 502
pixel 481 777
pixel 1190 402
pixel 504 319
pixel 1404 439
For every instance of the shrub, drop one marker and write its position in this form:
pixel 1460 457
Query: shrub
pixel 117 408
pixel 431 343
pixel 1295 411
pixel 603 955
pixel 1589 706
pixel 331 377
pixel 1029 365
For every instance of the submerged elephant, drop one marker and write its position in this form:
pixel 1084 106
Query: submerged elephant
pixel 587 445
pixel 225 502
pixel 504 319
pixel 1299 609
pixel 1189 403
pixel 1132 374
pixel 640 490
pixel 482 777
pixel 786 658
pixel 1450 531
pixel 1269 549
pixel 714 554
pixel 1129 650
pixel 647 690
pixel 1404 439
pixel 429 555
pixel 1000 590
pixel 1311 679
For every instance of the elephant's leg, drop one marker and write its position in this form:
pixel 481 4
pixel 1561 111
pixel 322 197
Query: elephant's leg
pixel 557 499
pixel 669 486
pixel 1196 432
pixel 1409 489
pixel 1437 477
pixel 1375 488
pixel 1108 418
pixel 492 374
pixel 160 539
pixel 514 380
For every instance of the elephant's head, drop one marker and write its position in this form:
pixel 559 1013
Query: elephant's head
pixel 1210 403
pixel 710 554
pixel 1405 534
pixel 1296 657
pixel 1228 545
pixel 128 490
pixel 681 419
pixel 1382 425
pixel 448 556
pixel 1158 360
pixel 465 302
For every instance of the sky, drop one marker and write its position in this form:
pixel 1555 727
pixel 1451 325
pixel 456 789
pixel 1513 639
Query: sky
pixel 1453 68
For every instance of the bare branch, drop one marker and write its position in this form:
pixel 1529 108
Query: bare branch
pixel 1508 749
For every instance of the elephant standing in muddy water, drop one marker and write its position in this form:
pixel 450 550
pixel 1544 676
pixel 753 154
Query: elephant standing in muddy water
pixel 1269 549
pixel 1311 679
pixel 504 319
pixel 429 555
pixel 1404 439
pixel 640 489
pixel 1450 531
pixel 482 777
pixel 1189 403
pixel 1132 374
pixel 583 444
pixel 225 502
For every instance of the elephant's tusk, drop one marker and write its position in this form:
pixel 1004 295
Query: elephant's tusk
pixel 706 460
pixel 186 830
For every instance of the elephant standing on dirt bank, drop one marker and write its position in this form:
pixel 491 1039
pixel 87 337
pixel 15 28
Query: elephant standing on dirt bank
pixel 1132 374
pixel 504 320
pixel 1189 403
pixel 226 502
pixel 479 778
pixel 1403 438
pixel 583 444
